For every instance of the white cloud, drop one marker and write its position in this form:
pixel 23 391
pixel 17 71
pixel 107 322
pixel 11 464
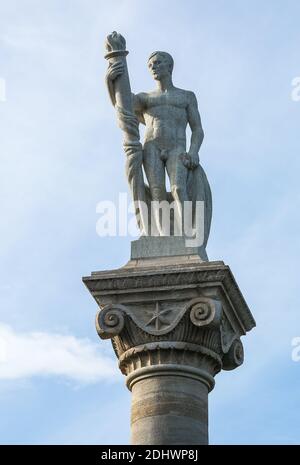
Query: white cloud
pixel 24 355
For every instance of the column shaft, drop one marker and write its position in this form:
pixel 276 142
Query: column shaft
pixel 169 410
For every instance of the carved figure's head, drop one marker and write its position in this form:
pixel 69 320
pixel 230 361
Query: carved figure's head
pixel 160 64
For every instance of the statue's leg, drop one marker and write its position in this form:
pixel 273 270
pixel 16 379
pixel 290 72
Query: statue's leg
pixel 178 174
pixel 155 173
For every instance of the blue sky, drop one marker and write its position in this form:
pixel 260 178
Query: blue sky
pixel 61 154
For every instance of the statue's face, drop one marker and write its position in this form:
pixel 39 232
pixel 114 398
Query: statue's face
pixel 159 67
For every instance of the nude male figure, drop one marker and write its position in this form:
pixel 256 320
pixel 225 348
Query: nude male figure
pixel 166 112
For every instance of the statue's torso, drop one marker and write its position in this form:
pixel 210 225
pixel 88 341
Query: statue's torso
pixel 165 116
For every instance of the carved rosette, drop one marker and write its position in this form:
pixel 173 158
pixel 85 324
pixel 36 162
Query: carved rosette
pixel 164 336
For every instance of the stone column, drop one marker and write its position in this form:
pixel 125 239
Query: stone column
pixel 173 325
pixel 169 407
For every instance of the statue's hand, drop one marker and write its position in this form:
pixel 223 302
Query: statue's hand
pixel 190 160
pixel 194 160
pixel 115 70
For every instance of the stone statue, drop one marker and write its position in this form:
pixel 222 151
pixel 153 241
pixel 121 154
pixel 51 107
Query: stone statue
pixel 165 112
pixel 175 319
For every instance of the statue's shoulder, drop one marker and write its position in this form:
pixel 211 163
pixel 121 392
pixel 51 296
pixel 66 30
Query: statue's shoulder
pixel 139 102
pixel 146 99
pixel 188 95
pixel 142 97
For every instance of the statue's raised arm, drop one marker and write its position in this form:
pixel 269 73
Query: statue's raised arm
pixel 118 85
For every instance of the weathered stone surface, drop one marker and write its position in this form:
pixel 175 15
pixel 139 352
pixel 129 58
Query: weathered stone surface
pixel 158 247
pixel 171 324
pixel 169 409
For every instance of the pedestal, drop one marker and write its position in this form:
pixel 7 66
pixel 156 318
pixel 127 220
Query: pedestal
pixel 174 323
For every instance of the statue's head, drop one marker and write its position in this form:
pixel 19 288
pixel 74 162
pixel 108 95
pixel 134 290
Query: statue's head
pixel 160 64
